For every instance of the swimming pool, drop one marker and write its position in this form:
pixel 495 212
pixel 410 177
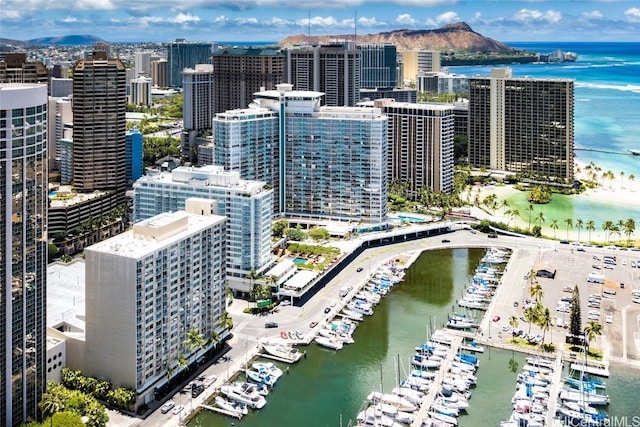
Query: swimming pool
pixel 300 261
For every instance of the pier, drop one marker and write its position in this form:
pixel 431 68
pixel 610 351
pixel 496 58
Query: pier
pixel 430 397
pixel 221 411
pixel 556 385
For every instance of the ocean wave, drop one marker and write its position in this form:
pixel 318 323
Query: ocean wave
pixel 624 88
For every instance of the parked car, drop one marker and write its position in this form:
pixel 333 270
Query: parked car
pixel 493 236
pixel 269 325
pixel 446 241
pixel 359 269
pixel 567 289
pixel 177 409
pixel 327 310
pixel 167 406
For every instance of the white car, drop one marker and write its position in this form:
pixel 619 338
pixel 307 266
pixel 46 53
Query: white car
pixel 609 318
pixel 167 406
pixel 624 262
pixel 177 409
pixel 636 300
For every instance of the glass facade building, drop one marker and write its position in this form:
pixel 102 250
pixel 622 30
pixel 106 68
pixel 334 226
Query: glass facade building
pixel 248 206
pixel 23 250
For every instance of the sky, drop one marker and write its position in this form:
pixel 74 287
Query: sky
pixel 273 20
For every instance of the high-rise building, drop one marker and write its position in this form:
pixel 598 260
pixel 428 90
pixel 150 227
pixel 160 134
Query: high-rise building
pixel 197 107
pixel 246 204
pixel 522 125
pixel 99 124
pixel 327 162
pixel 378 65
pixel 239 72
pixel 147 290
pixel 61 87
pixel 420 149
pixel 332 69
pixel 16 69
pixel 143 64
pixel 419 61
pixel 134 147
pixel 23 253
pixel 197 89
pixel 159 73
pixel 140 93
pixel 181 55
pixel 60 117
pixel 438 83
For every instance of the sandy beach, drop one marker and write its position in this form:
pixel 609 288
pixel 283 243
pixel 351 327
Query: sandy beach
pixel 621 192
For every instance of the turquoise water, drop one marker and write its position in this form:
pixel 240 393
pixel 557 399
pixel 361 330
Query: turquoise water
pixel 329 386
pixel 300 261
pixel 574 207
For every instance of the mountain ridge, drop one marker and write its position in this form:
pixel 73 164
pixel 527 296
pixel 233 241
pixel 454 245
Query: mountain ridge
pixel 457 36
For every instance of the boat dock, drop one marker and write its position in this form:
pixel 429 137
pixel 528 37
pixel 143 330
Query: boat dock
pixel 221 411
pixel 600 371
pixel 556 385
pixel 278 359
pixel 429 398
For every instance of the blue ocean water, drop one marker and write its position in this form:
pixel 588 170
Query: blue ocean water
pixel 607 97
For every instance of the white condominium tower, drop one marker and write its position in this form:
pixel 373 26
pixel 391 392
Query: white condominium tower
pixel 147 290
pixel 323 162
pixel 522 125
pixel 247 204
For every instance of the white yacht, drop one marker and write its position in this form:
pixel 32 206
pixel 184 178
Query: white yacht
pixel 245 393
pixel 282 351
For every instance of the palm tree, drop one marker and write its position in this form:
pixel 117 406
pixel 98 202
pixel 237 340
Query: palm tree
pixel 554 226
pixel 621 179
pixel 530 209
pixel 536 291
pixel 540 218
pixel 579 226
pixel 545 321
pixel 569 222
pixel 50 404
pixel 515 212
pixel 631 178
pixel 591 226
pixel 505 205
pixel 513 322
pixel 194 340
pixel 530 316
pixel 607 227
pixel 272 282
pixel 592 331
pixel 252 276
pixel 629 228
pixel 225 320
pixel 182 361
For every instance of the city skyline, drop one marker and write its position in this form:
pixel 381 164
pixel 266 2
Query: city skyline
pixel 272 20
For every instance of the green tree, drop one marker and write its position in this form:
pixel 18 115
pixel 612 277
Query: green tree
pixel 592 331
pixel 569 223
pixel 536 291
pixel 64 419
pixel 590 226
pixel 579 226
pixel 575 320
pixel 318 233
pixel 295 234
pixel 607 227
pixel 545 321
pixel 194 341
pixel 513 322
pixel 629 228
pixel 530 316
pixel 279 227
pixel 554 226
pixel 530 209
pixel 226 321
pixel 50 404
pixel 252 276
pixel 540 218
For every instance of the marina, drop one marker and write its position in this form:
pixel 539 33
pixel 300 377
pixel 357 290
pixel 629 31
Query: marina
pixel 370 364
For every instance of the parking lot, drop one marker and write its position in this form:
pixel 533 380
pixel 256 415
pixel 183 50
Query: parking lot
pixel 609 293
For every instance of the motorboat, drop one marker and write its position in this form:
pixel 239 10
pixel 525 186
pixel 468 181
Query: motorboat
pixel 467 302
pixel 260 377
pixel 445 410
pixel 350 314
pixel 413 396
pixel 282 351
pixel 444 418
pixel 245 393
pixel 466 358
pixel 270 367
pixel 336 335
pixel 472 346
pixel 235 407
pixel 360 307
pixel 371 417
pixel 424 361
pixel 457 322
pixel 333 344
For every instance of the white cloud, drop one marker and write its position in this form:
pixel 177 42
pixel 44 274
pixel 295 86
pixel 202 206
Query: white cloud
pixel 633 14
pixel 527 15
pixel 246 21
pixel 69 19
pixel 221 19
pixel 406 19
pixel 442 19
pixel 593 14
pixel 182 18
pixel 370 22
pixel 325 21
